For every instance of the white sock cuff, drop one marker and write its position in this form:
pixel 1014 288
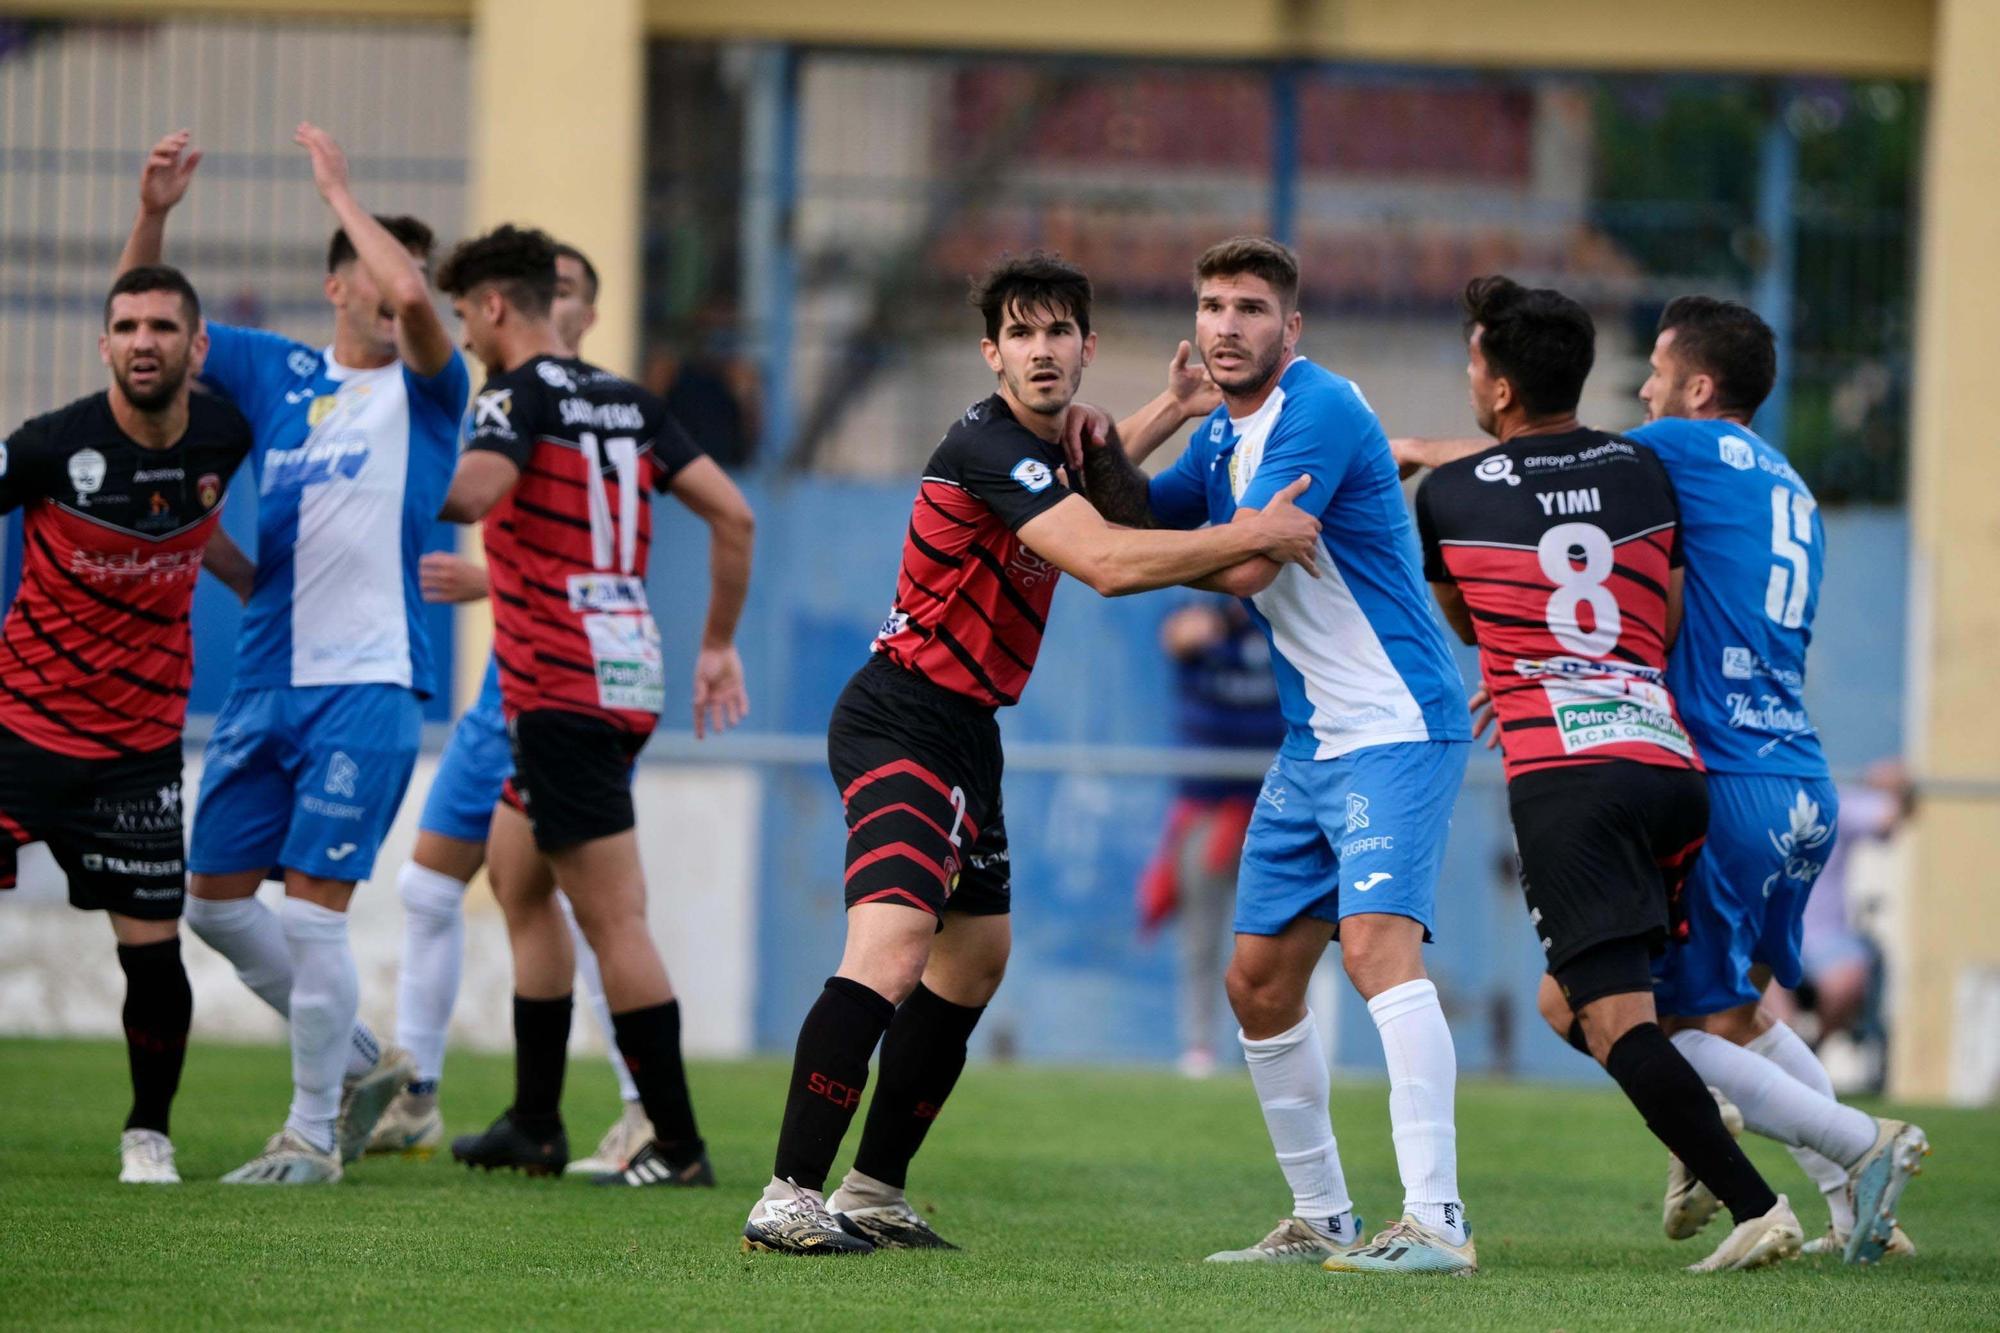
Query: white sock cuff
pixel 219 913
pixel 309 921
pixel 1264 1048
pixel 1407 998
pixel 430 892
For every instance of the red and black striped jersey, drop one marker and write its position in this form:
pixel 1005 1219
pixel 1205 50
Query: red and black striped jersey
pixel 1563 547
pixel 972 601
pixel 567 547
pixel 96 651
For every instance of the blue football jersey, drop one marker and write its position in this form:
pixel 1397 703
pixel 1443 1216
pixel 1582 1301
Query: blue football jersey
pixel 1359 652
pixel 351 468
pixel 1755 549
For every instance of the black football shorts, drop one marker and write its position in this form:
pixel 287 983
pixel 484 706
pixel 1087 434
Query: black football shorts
pixel 572 776
pixel 113 824
pixel 1605 852
pixel 918 769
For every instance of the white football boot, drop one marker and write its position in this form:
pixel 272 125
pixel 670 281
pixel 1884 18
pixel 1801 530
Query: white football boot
pixel 630 1132
pixel 146 1158
pixel 1762 1240
pixel 1690 1204
pixel 287 1159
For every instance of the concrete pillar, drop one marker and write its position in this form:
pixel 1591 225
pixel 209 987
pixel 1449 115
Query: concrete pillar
pixel 1952 921
pixel 558 111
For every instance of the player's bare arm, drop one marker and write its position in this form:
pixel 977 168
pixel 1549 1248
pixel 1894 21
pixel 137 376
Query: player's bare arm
pixel 421 339
pixel 1676 603
pixel 482 481
pixel 1190 395
pixel 1456 614
pixel 1413 455
pixel 224 559
pixel 163 181
pixel 1245 579
pixel 1115 561
pixel 448 578
pixel 720 699
pixel 1112 481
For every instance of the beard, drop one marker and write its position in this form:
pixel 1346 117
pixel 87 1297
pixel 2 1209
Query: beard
pixel 165 387
pixel 1033 396
pixel 1253 376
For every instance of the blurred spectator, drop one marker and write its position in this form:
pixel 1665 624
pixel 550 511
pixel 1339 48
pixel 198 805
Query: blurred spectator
pixel 713 399
pixel 1838 1007
pixel 1225 697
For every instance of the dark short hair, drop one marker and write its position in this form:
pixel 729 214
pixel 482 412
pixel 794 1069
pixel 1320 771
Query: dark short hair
pixel 1038 280
pixel 519 261
pixel 1728 342
pixel 1260 257
pixel 566 251
pixel 416 237
pixel 156 278
pixel 1538 340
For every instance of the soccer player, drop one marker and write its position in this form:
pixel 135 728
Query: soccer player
pixel 122 492
pixel 314 746
pixel 1350 826
pixel 914 748
pixel 557 463
pixel 451 846
pixel 1558 552
pixel 1755 549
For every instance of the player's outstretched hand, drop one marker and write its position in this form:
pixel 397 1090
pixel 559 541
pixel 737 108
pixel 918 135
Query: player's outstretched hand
pixel 1292 533
pixel 720 701
pixel 1483 716
pixel 329 163
pixel 1085 427
pixel 163 181
pixel 1191 386
pixel 445 577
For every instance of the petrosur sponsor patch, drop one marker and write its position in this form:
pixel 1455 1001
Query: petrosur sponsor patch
pixel 1618 713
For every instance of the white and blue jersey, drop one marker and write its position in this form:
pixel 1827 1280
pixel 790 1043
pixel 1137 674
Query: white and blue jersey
pixel 351 466
pixel 314 747
pixel 1755 549
pixel 1354 813
pixel 1359 653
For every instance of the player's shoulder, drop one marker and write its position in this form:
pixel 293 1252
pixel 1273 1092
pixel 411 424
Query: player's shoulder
pixel 213 417
pixel 987 433
pixel 580 396
pixel 71 426
pixel 1313 391
pixel 267 350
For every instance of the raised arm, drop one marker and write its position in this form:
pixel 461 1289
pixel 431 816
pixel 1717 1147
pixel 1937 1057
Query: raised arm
pixel 720 698
pixel 421 338
pixel 162 182
pixel 1114 561
pixel 1190 395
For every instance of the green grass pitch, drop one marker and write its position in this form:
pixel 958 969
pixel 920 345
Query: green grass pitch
pixel 1083 1199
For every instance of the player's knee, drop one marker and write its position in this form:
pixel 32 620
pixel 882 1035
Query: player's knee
pixel 1263 1002
pixel 430 895
pixel 1555 1010
pixel 1742 1025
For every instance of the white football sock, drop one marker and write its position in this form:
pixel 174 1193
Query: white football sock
pixel 1423 1078
pixel 433 955
pixel 591 985
pixel 1783 1048
pixel 326 993
pixel 1291 1078
pixel 1774 1104
pixel 252 938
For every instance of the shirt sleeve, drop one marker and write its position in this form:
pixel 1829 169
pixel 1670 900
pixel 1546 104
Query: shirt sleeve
pixel 1427 537
pixel 1319 438
pixel 505 420
pixel 673 449
pixel 445 390
pixel 21 480
pixel 1178 496
pixel 1010 479
pixel 247 364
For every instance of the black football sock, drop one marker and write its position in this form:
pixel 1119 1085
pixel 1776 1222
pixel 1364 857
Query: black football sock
pixel 829 1070
pixel 158 1007
pixel 922 1056
pixel 1678 1109
pixel 650 1042
pixel 541 1053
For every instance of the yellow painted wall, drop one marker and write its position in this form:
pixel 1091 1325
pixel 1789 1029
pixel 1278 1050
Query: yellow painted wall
pixel 1952 917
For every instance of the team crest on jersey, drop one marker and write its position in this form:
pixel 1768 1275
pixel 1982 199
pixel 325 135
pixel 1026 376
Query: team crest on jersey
pixel 1033 474
pixel 86 473
pixel 555 376
pixel 321 409
pixel 1736 452
pixel 1498 468
pixel 209 489
pixel 302 362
